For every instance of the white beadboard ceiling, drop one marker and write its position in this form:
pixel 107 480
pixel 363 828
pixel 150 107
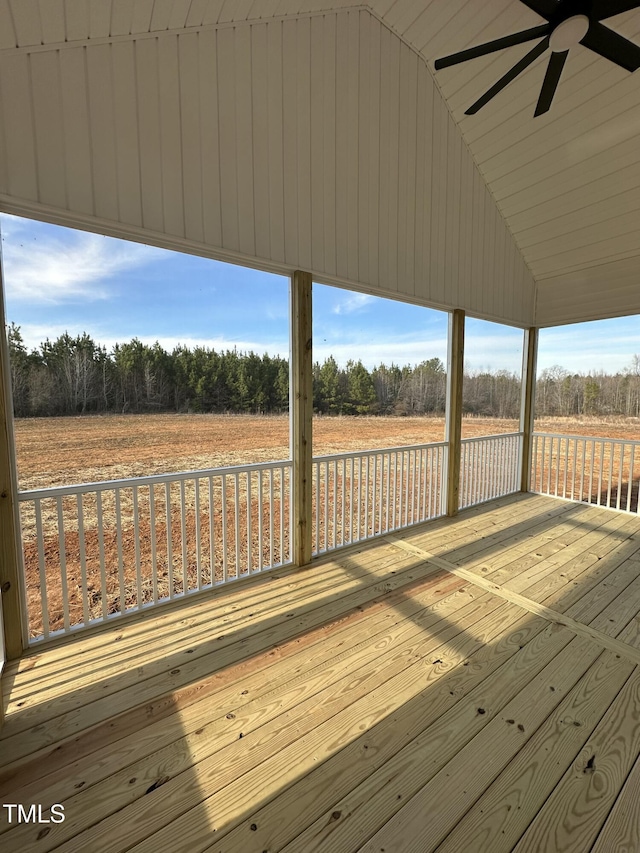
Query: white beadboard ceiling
pixel 108 137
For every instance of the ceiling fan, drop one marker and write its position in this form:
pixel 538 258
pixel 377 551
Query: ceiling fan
pixel 569 22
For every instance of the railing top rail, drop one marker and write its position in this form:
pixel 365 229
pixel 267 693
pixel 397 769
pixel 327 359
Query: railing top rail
pixel 151 480
pixel 491 437
pixel 587 437
pixel 376 451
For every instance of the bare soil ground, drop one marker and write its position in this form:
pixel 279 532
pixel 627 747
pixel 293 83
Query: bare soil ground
pixel 60 451
pixel 64 451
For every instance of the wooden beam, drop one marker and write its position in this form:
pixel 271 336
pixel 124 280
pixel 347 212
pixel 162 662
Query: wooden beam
pixel 10 552
pixel 527 404
pixel 301 416
pixel 455 369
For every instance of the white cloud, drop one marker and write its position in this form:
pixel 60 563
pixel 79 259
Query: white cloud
pixel 34 334
pixel 352 302
pixel 602 346
pixel 40 268
pixel 401 350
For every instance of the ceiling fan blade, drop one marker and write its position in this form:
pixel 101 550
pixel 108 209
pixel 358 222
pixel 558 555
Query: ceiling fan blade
pixel 601 9
pixel 491 46
pixel 544 8
pixel 551 80
pixel 509 76
pixel 612 46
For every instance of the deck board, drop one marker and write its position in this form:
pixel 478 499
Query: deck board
pixel 383 698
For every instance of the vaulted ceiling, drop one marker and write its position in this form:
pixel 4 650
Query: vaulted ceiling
pixel 512 217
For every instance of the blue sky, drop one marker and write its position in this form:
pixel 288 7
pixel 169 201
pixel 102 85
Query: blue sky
pixel 59 279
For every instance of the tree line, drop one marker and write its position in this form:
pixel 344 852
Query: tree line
pixel 76 375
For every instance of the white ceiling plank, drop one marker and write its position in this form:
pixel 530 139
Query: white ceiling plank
pixel 426 104
pixel 581 221
pixel 619 225
pixel 191 135
pixel 275 142
pixel 212 12
pixel 195 15
pixel 179 13
pixel 260 126
pixel 478 242
pixel 101 117
pixel 383 7
pixel 263 8
pixel 47 110
pixel 53 21
pixel 8 36
pixel 127 139
pixel 372 133
pixel 403 13
pixel 228 137
pixel 384 149
pixel 452 241
pixel 620 180
pixel 393 117
pixel 161 15
pixel 342 145
pixel 602 164
pixel 439 194
pixel 363 142
pixel 403 153
pixel 328 124
pixel 234 10
pixel 316 96
pixel 303 156
pixel 606 250
pixel 19 133
pixel 99 18
pixel 503 285
pixel 148 98
pixel 141 15
pixel 411 107
pixel 209 136
pixel 75 114
pixel 26 21
pixel 571 150
pixel 466 227
pixel 244 143
pixel 122 17
pixel 170 132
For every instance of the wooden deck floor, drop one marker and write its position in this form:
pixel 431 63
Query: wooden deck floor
pixel 471 685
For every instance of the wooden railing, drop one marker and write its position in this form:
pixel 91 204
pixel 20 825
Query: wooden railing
pixel 98 550
pixel 600 471
pixel 358 496
pixel 489 468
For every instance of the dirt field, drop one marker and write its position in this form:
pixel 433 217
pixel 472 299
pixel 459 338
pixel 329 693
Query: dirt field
pixel 145 543
pixel 61 451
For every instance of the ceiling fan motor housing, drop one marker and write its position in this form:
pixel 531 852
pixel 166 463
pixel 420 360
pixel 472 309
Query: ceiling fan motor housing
pixel 568 33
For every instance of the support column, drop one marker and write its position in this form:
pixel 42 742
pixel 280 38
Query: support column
pixel 301 415
pixel 10 552
pixel 527 404
pixel 455 369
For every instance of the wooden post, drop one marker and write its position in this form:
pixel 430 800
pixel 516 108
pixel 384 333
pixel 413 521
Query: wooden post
pixel 10 552
pixel 455 370
pixel 527 404
pixel 301 417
